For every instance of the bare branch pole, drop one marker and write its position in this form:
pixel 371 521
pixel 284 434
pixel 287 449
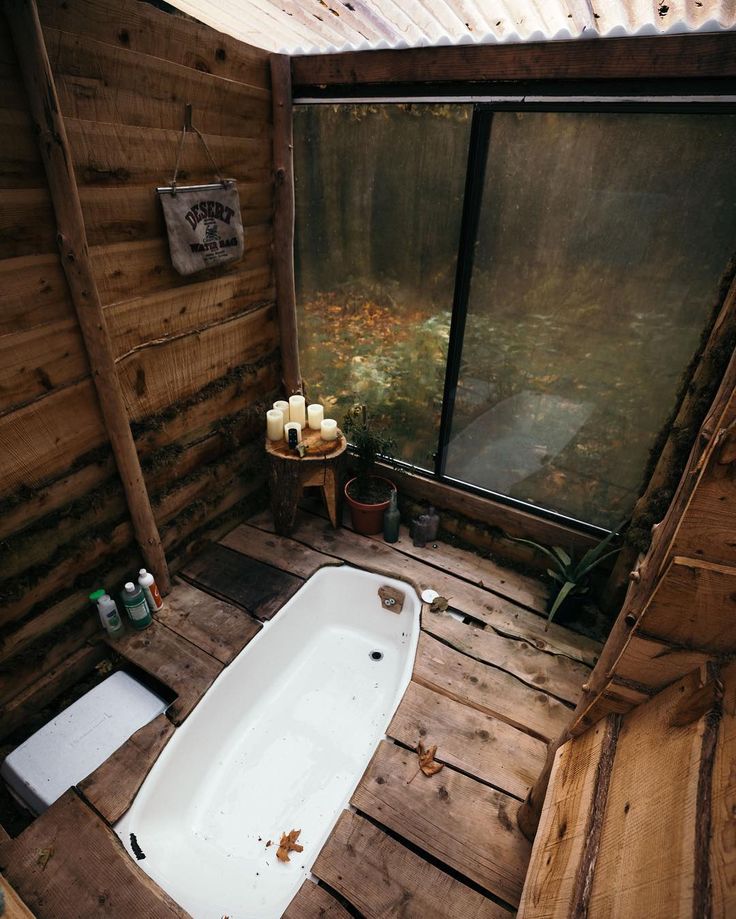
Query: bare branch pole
pixel 283 219
pixel 71 237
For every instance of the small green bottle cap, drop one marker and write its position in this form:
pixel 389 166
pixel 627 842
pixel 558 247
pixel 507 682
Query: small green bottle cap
pixel 94 597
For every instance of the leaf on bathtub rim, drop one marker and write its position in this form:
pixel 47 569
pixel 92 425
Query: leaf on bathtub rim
pixel 426 759
pixel 288 844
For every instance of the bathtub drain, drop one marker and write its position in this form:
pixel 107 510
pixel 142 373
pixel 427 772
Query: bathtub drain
pixel 376 655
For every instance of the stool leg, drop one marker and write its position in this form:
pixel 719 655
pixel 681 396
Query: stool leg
pixel 285 488
pixel 331 495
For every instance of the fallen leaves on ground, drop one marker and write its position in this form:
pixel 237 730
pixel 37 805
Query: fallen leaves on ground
pixel 426 759
pixel 288 844
pixel 427 765
pixel 43 857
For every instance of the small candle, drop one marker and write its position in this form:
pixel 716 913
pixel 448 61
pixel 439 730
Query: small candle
pixel 274 424
pixel 328 429
pixel 293 425
pixel 283 407
pixel 315 414
pixel 297 410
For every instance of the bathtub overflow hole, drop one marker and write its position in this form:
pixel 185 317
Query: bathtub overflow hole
pixel 376 655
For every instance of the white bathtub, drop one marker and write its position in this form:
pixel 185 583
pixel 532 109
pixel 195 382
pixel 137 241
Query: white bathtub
pixel 278 742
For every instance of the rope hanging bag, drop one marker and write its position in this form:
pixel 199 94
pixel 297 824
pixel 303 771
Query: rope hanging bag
pixel 202 221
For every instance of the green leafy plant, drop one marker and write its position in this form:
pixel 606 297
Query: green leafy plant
pixel 571 574
pixel 368 444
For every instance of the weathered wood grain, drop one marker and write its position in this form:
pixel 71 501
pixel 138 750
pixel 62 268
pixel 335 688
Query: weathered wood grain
pixel 654 663
pixel 646 859
pixel 489 690
pixel 112 787
pixel 478 744
pixel 283 219
pixel 560 676
pixel 15 908
pixel 26 223
pixel 380 877
pixel 34 292
pixel 121 155
pixel 278 551
pixel 313 902
pixel 483 572
pixel 177 663
pixel 260 589
pixel 466 825
pixel 561 839
pixel 124 270
pixel 166 372
pixel 46 436
pixel 166 314
pixel 505 617
pixel 620 58
pixel 38 360
pixel 723 806
pixel 142 28
pixel 20 163
pixel 100 82
pixel 88 873
pixel 211 624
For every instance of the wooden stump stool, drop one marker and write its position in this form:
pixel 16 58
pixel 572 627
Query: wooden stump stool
pixel 290 473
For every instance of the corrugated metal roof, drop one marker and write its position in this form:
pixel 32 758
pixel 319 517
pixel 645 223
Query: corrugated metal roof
pixel 324 26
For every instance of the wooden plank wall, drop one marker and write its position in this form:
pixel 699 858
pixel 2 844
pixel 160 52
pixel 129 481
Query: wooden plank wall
pixel 639 817
pixel 198 358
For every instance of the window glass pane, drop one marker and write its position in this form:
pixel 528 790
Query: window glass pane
pixel 379 192
pixel 601 244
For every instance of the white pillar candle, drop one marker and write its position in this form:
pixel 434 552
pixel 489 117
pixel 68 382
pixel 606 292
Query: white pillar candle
pixel 315 414
pixel 297 410
pixel 328 429
pixel 293 425
pixel 274 424
pixel 283 407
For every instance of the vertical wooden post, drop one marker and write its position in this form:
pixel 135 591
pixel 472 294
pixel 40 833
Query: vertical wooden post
pixel 283 219
pixel 71 237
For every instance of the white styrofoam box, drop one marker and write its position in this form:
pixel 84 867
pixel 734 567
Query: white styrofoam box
pixel 76 742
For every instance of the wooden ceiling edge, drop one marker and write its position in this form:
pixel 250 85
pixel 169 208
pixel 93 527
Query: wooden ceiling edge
pixel 689 56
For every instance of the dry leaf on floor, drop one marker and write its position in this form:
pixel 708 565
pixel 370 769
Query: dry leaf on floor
pixel 288 844
pixel 42 859
pixel 427 765
pixel 426 760
pixel 439 605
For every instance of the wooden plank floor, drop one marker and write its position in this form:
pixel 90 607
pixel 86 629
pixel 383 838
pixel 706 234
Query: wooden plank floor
pixel 490 685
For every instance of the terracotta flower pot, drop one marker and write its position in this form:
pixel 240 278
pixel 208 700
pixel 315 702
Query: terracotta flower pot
pixel 367 519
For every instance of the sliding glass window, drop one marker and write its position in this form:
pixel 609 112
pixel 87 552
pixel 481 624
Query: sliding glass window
pixel 601 242
pixel 593 244
pixel 379 197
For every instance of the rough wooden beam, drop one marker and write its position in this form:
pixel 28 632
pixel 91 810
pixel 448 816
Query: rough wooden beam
pixel 72 241
pixel 677 56
pixel 283 219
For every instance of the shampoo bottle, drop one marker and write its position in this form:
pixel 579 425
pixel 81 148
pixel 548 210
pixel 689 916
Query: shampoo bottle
pixel 110 616
pixel 150 590
pixel 391 520
pixel 136 606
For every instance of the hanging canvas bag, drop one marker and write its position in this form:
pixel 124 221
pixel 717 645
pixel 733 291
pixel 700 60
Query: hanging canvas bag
pixel 203 222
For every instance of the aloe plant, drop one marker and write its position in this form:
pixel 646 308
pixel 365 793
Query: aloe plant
pixel 570 573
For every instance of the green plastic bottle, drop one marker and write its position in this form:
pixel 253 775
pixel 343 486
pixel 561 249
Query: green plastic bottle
pixel 136 607
pixel 391 520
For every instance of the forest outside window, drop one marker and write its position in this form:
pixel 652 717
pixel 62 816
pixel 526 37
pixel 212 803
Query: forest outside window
pixel 592 271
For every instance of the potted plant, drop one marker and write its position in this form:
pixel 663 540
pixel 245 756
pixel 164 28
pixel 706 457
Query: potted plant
pixel 368 495
pixel 571 575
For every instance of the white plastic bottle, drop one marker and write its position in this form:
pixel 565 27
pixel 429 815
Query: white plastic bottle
pixel 110 616
pixel 150 590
